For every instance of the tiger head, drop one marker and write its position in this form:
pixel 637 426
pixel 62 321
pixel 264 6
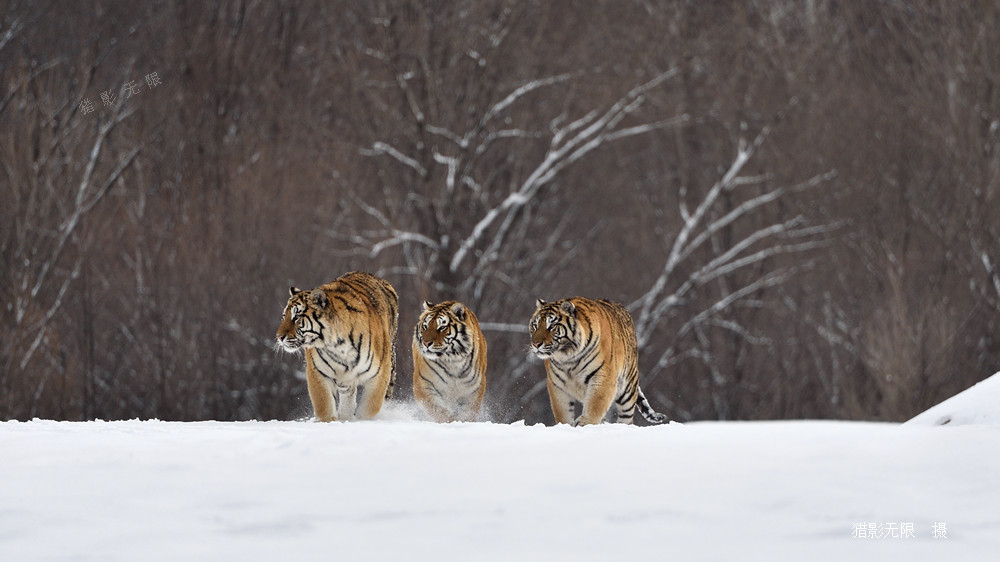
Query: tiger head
pixel 554 328
pixel 442 332
pixel 306 320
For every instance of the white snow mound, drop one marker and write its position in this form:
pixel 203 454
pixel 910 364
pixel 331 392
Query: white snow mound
pixel 403 490
pixel 979 405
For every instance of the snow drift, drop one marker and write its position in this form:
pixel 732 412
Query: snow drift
pixel 977 405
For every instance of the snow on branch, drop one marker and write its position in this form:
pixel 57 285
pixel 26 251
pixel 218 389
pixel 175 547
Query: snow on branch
pixel 40 328
pixel 643 129
pixel 400 237
pixel 681 248
pixel 390 236
pixel 85 200
pixel 521 91
pixel 403 80
pixel 462 142
pixel 991 271
pixel 11 32
pixel 384 148
pixel 568 145
pixel 372 211
pixel 27 79
pixel 698 229
pixel 465 141
pixel 773 279
pixel 452 164
pixel 992 274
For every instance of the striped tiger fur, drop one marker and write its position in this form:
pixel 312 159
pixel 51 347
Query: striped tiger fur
pixel 348 331
pixel 449 362
pixel 591 358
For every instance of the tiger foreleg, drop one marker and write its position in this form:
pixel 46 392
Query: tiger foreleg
pixel 562 402
pixel 438 413
pixel 470 412
pixel 320 394
pixel 348 401
pixel 372 394
pixel 597 402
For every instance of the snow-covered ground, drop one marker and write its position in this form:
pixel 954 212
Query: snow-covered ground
pixel 400 489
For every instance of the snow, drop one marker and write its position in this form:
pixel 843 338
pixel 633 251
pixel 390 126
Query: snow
pixel 977 405
pixel 397 488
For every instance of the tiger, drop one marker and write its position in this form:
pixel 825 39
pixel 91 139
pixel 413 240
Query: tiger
pixel 347 328
pixel 449 362
pixel 591 358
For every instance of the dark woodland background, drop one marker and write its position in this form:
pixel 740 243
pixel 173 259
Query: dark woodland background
pixel 797 199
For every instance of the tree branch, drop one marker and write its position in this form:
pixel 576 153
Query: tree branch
pixel 586 139
pixel 384 148
pixel 679 249
pixel 82 205
pixel 521 91
pixel 697 230
pixel 401 237
pixel 770 280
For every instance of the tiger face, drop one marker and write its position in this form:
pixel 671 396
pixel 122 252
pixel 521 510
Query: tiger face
pixel 554 328
pixel 441 332
pixel 305 322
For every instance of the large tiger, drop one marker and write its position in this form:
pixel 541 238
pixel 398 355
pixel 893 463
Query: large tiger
pixel 449 362
pixel 348 330
pixel 591 358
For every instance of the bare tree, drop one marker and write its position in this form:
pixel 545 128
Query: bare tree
pixel 690 269
pixel 51 187
pixel 487 240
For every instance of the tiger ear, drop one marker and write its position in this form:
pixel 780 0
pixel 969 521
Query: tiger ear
pixel 319 299
pixel 292 291
pixel 428 305
pixel 458 309
pixel 568 307
pixel 539 303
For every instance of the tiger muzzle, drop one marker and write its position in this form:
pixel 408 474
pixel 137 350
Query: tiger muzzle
pixel 433 348
pixel 290 344
pixel 541 349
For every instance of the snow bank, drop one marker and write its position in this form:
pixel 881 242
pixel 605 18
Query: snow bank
pixel 408 490
pixel 977 405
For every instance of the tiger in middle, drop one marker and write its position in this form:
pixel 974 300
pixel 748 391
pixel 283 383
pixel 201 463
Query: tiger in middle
pixel 449 362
